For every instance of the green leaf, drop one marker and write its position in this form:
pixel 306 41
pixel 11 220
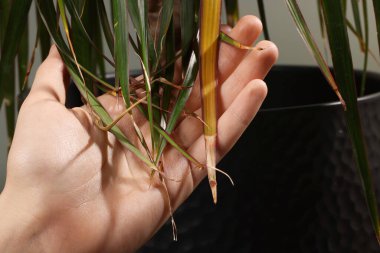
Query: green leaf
pixel 170 56
pixel 176 146
pixel 48 15
pixel 166 17
pixel 22 57
pixel 188 29
pixel 306 35
pixel 230 41
pixel 366 47
pixel 376 8
pixel 232 10
pixel 364 40
pixel 16 24
pixel 85 31
pixel 166 21
pixel 97 53
pixel 344 74
pixel 356 15
pixel 5 6
pixel 81 27
pixel 105 25
pixel 263 18
pixel 182 98
pixel 139 15
pixel 106 119
pixel 138 12
pixel 43 37
pixel 120 24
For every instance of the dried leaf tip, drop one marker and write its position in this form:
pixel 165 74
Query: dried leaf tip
pixel 232 42
pixel 336 90
pixel 211 162
pixel 214 192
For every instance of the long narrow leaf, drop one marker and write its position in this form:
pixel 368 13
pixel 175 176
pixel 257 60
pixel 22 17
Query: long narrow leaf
pixel 176 146
pixel 29 67
pixel 16 24
pixel 166 17
pixel 43 37
pixel 183 96
pixel 5 6
pixel 84 29
pixel 366 47
pixel 22 57
pixel 230 41
pixel 343 67
pixel 170 56
pixel 139 16
pixel 105 25
pixel 97 52
pixel 48 15
pixel 107 120
pixel 306 35
pixel 232 10
pixel 209 35
pixel 120 24
pixel 351 28
pixel 321 19
pixel 376 8
pixel 263 18
pixel 356 15
pixel 80 36
pixel 188 25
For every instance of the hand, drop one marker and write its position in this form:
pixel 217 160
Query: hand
pixel 73 188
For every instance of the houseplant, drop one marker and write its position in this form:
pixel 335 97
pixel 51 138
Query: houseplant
pixel 143 48
pixel 297 191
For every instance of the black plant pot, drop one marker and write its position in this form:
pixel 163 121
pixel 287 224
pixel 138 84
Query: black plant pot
pixel 297 188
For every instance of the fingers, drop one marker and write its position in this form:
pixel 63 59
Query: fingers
pixel 255 66
pixel 239 115
pixel 246 31
pixel 51 80
pixel 232 123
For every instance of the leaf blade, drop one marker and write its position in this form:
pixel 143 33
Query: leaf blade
pixel 343 67
pixel 121 47
pixel 209 37
pixel 16 24
pixel 232 10
pixel 306 35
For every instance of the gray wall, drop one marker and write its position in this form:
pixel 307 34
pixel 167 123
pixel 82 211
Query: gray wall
pixel 283 33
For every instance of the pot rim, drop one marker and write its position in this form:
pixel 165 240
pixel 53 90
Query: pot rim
pixel 334 104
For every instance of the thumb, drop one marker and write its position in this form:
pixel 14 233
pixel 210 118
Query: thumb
pixel 51 79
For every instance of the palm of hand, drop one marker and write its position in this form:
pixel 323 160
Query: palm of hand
pixel 93 192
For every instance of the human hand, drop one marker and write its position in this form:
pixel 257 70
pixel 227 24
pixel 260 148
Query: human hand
pixel 72 187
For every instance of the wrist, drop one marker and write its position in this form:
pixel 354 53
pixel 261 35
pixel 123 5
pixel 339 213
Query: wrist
pixel 21 225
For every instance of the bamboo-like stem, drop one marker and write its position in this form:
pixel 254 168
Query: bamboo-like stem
pixel 209 34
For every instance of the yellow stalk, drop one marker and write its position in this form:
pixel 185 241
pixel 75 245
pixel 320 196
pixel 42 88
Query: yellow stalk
pixel 209 34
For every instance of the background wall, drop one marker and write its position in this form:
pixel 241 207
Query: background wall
pixel 283 33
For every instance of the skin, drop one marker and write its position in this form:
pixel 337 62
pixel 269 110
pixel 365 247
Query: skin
pixel 71 187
